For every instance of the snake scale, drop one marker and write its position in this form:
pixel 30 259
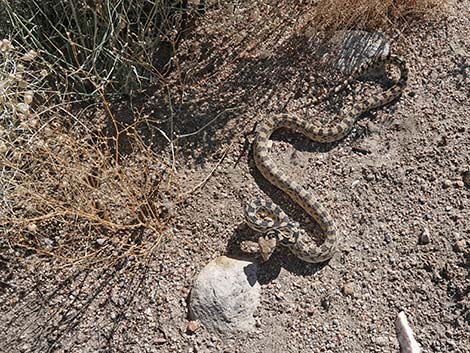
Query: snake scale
pixel 266 217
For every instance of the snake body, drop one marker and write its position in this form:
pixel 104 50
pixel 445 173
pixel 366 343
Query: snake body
pixel 277 226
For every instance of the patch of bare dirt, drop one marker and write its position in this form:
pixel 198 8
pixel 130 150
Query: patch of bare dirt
pixel 394 186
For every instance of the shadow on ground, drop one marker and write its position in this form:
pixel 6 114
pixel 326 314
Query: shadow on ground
pixel 54 315
pixel 281 258
pixel 220 90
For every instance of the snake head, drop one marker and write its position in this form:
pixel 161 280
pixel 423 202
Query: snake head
pixel 267 245
pixel 288 234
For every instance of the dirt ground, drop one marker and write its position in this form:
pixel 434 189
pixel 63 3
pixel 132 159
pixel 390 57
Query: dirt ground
pixel 395 186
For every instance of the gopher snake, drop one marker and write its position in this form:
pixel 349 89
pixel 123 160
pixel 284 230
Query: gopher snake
pixel 277 228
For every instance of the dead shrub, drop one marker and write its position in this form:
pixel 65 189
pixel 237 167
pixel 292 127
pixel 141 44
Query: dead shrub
pixel 370 14
pixel 66 190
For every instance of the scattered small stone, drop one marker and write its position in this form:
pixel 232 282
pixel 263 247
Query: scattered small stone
pixel 381 341
pixel 185 291
pixel 25 347
pixel 160 340
pixel 48 241
pixel 451 342
pixel 325 303
pixel 369 177
pixel 387 238
pixel 348 289
pixel 249 247
pixel 466 178
pixel 100 241
pixel 193 326
pixel 442 141
pixel 459 184
pixel 373 128
pixel 447 183
pixel 311 311
pixel 424 237
pixel 32 227
pixel 3 148
pixel 461 245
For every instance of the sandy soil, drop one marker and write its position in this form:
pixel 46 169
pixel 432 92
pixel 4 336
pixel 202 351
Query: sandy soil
pixel 395 187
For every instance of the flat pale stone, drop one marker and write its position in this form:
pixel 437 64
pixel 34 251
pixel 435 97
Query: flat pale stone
pixel 358 47
pixel 347 50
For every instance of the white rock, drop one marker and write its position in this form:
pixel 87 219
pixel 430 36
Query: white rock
pixel 225 295
pixel 100 241
pixel 32 227
pixel 22 108
pixel 353 48
pixel 408 344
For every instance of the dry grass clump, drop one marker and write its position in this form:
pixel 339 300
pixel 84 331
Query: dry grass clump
pixel 65 190
pixel 367 14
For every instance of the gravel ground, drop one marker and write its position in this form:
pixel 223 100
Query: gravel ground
pixel 396 187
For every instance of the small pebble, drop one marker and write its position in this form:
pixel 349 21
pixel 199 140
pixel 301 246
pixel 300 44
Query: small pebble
pixel 160 340
pixel 3 148
pixel 461 245
pixel 193 326
pixel 26 347
pixel 348 289
pixel 466 178
pixel 459 184
pixel 381 341
pixel 424 237
pixel 387 238
pixel 369 177
pixel 32 227
pixel 310 311
pixel 100 241
pixel 447 183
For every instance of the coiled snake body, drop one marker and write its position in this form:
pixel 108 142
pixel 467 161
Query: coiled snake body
pixel 278 228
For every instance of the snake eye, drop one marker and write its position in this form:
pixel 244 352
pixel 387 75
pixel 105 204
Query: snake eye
pixel 273 233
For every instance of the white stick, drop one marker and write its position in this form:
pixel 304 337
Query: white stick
pixel 408 343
